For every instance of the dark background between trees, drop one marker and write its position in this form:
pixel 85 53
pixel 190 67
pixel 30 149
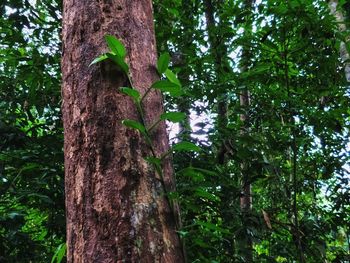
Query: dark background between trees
pixel 289 143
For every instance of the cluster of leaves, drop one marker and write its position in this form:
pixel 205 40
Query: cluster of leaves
pixel 170 85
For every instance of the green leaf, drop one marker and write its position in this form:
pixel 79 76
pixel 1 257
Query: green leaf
pixel 41 197
pixel 116 46
pixel 211 226
pixel 185 146
pixel 172 77
pixel 199 242
pixel 153 160
pixel 173 116
pixel 193 174
pixel 163 63
pixel 133 93
pixel 134 125
pixel 201 192
pixel 182 233
pixel 208 172
pixel 119 62
pixel 167 86
pixel 98 59
pixel 59 254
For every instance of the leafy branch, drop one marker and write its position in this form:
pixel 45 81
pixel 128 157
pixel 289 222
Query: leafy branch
pixel 169 84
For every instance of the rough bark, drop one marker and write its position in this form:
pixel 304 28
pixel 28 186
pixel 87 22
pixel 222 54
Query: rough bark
pixel 116 208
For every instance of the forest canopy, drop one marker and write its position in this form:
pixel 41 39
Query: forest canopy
pixel 265 97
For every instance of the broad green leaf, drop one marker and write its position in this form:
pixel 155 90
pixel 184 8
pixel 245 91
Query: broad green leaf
pixel 30 167
pixel 119 62
pixel 42 235
pixel 59 254
pixel 173 116
pixel 167 86
pixel 134 125
pixel 201 192
pixel 163 63
pixel 99 59
pixel 208 172
pixel 183 233
pixel 193 174
pixel 185 146
pixel 211 226
pixel 172 77
pixel 131 92
pixel 153 160
pixel 116 46
pixel 199 242
pixel 41 197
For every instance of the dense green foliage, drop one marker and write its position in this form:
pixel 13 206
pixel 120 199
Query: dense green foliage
pixel 32 222
pixel 292 148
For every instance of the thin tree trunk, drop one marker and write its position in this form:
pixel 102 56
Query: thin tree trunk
pixel 246 199
pixel 116 208
pixel 219 53
pixel 292 156
pixel 221 67
pixel 185 46
pixel 344 54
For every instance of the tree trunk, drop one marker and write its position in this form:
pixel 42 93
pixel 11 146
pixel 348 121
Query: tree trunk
pixel 218 51
pixel 344 54
pixel 116 207
pixel 246 200
pixel 187 49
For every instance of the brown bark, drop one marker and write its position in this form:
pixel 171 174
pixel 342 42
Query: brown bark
pixel 116 208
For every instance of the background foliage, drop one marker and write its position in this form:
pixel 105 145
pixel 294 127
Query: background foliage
pixel 291 147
